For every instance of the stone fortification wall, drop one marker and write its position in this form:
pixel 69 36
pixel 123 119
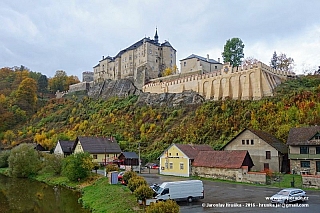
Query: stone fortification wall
pixel 79 87
pixel 245 83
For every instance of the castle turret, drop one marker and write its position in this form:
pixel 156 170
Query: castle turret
pixel 156 37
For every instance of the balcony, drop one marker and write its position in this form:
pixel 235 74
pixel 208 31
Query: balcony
pixel 304 156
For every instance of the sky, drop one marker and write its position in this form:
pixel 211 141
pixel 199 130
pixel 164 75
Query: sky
pixel 73 35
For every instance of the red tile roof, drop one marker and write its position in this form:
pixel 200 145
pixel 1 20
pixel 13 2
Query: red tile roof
pixel 191 150
pixel 232 159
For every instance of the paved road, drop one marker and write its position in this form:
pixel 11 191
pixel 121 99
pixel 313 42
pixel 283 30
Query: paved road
pixel 248 196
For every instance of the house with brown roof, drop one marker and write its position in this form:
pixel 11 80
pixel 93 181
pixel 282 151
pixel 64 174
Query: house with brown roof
pixel 267 152
pixel 304 150
pixel 228 165
pixel 177 158
pixel 102 149
pixel 64 148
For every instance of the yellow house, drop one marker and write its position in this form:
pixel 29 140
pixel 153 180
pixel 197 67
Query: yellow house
pixel 177 158
pixel 103 150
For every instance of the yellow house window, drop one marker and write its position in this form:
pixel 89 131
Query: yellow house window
pixel 166 165
pixel 181 166
pixel 177 154
pixel 95 157
pixel 171 165
pixel 169 153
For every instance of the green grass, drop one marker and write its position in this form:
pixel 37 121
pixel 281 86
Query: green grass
pixel 4 171
pixel 104 197
pixel 286 181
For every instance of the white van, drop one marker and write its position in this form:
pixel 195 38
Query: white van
pixel 180 190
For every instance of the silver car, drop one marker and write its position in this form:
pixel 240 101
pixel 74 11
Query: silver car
pixel 288 196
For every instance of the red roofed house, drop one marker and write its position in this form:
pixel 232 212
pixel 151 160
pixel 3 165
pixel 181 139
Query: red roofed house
pixel 229 165
pixel 177 158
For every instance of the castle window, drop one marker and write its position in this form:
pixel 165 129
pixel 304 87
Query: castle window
pixel 247 142
pixel 184 63
pixel 268 155
pixel 156 61
pixel 150 51
pixel 252 142
pixel 171 55
pixel 243 142
pixel 215 67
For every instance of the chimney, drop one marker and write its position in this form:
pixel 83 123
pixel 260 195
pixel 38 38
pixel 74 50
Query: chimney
pixel 102 57
pixel 207 57
pixel 219 60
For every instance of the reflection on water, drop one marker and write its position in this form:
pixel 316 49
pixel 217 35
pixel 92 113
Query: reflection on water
pixel 24 195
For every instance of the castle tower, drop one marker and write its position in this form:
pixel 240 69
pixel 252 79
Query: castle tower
pixel 156 37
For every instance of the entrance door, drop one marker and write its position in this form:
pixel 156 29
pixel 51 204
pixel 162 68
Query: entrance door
pixel 318 166
pixel 266 166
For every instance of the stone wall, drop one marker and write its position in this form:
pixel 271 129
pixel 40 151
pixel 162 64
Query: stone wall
pixel 311 181
pixel 245 83
pixel 239 175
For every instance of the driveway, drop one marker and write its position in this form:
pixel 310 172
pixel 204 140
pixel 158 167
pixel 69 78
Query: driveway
pixel 231 197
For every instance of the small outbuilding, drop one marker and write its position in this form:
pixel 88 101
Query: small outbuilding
pixel 129 159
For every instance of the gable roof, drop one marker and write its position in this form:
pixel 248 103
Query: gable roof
pixel 232 159
pixel 130 155
pixel 66 146
pixel 268 138
pixel 191 150
pixel 302 136
pixel 201 58
pixel 99 144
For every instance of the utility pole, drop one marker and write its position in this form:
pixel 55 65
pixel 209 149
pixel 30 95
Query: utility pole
pixel 139 160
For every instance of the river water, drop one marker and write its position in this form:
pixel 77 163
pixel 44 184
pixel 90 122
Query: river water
pixel 25 195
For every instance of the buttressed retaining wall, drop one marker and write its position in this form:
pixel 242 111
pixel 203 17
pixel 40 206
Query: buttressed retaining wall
pixel 245 83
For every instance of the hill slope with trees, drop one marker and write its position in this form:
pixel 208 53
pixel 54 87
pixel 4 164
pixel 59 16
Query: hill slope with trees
pixel 296 103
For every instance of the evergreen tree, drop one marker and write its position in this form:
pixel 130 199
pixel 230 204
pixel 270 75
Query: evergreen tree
pixel 43 84
pixel 233 52
pixel 274 61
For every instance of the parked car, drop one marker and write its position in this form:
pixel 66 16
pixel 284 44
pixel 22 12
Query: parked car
pixel 120 176
pixel 180 190
pixel 288 196
pixel 155 166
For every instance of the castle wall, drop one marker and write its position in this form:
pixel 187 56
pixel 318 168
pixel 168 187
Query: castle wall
pixel 245 83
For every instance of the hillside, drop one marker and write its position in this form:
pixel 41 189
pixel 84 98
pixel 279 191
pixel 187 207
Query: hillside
pixel 297 103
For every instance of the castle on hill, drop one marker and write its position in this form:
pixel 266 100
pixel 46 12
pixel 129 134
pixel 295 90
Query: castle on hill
pixel 144 62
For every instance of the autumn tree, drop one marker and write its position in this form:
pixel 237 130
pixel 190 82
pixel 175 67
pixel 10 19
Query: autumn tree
pixel 61 81
pixel 167 71
pixel 26 96
pixel 249 61
pixel 233 52
pixel 163 207
pixel 282 62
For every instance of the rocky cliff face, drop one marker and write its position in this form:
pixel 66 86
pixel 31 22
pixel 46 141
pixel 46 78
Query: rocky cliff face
pixel 120 88
pixel 170 99
pixel 123 88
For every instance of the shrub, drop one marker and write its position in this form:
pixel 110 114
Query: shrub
pixel 143 192
pixel 111 167
pixel 77 166
pixel 135 182
pixel 52 163
pixel 170 206
pixel 4 155
pixel 24 161
pixel 128 175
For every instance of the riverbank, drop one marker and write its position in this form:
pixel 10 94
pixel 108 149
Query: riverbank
pixel 97 194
